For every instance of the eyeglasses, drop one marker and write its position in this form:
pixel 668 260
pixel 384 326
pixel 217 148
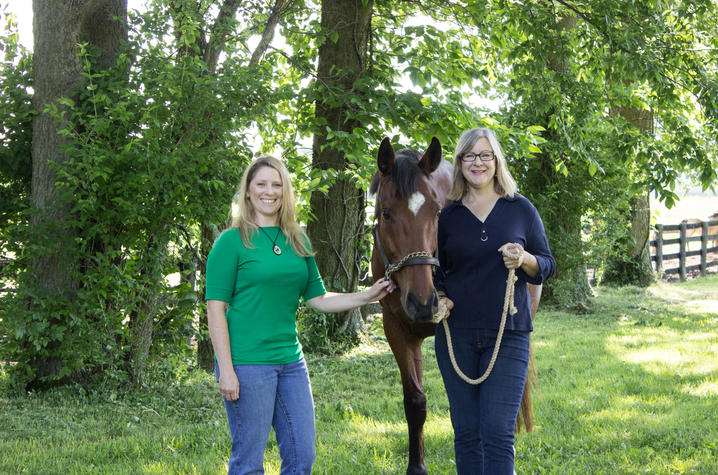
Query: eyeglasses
pixel 485 156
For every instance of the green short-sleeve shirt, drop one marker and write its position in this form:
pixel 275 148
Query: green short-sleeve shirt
pixel 263 291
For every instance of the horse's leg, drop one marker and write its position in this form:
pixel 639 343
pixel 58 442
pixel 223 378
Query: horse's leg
pixel 407 352
pixel 526 409
pixel 415 410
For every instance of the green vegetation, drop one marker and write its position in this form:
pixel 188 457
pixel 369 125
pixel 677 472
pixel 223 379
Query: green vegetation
pixel 148 123
pixel 631 387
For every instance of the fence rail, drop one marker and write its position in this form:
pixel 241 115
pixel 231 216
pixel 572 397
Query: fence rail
pixel 705 232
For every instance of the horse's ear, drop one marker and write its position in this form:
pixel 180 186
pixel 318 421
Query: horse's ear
pixel 385 158
pixel 432 157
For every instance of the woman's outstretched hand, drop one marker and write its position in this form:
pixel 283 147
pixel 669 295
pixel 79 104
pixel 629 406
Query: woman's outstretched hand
pixel 380 289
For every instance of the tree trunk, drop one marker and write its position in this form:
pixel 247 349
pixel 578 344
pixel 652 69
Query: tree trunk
pixel 560 212
pixel 210 41
pixel 339 215
pixel 142 319
pixel 635 266
pixel 205 352
pixel 640 236
pixel 58 29
pixel 561 215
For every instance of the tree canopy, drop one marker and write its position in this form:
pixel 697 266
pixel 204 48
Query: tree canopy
pixel 154 140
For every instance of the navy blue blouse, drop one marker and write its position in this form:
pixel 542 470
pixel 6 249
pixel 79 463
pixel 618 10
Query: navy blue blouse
pixel 472 272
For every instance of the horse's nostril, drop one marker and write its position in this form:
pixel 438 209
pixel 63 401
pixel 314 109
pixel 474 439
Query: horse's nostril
pixel 412 303
pixel 419 311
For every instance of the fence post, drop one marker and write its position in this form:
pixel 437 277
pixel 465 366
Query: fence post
pixel 704 247
pixel 682 253
pixel 659 249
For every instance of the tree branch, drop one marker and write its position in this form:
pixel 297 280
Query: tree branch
pixel 219 32
pixel 651 55
pixel 268 32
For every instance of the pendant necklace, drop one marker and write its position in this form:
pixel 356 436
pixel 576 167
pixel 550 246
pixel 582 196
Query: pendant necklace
pixel 275 248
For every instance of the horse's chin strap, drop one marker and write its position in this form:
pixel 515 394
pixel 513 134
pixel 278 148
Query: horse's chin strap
pixel 514 251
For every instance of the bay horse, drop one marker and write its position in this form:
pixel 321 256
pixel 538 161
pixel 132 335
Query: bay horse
pixel 411 190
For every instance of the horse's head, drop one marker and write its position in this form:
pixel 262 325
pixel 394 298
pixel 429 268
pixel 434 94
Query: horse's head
pixel 410 191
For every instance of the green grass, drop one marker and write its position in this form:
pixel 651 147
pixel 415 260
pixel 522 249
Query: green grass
pixel 629 388
pixel 632 388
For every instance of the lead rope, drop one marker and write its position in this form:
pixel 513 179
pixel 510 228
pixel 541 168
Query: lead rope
pixel 513 250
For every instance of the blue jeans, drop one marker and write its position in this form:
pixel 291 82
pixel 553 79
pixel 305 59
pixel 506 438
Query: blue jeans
pixel 279 396
pixel 484 416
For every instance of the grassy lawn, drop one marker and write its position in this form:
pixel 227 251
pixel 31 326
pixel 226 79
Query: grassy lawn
pixel 630 388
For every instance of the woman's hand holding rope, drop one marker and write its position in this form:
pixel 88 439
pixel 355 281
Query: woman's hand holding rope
pixel 513 255
pixel 445 306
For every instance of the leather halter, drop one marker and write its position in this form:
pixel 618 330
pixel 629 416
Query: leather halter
pixel 411 259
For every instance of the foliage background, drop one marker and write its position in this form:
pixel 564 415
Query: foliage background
pixel 157 143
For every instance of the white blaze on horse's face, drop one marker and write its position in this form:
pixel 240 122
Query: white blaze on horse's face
pixel 415 202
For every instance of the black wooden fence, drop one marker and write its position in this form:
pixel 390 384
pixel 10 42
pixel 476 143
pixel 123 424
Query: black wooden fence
pixel 705 232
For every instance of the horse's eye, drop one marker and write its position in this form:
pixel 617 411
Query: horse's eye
pixel 386 213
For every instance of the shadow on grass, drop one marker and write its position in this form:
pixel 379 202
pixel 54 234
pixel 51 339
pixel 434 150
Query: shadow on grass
pixel 631 387
pixel 360 417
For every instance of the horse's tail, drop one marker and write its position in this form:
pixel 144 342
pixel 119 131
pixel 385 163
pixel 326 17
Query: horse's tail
pixel 526 413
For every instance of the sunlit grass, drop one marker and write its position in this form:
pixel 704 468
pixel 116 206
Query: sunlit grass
pixel 631 387
pixel 641 386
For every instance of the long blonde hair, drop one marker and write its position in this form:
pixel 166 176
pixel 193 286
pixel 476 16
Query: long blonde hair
pixel 504 183
pixel 242 213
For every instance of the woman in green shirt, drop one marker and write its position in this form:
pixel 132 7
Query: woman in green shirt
pixel 257 272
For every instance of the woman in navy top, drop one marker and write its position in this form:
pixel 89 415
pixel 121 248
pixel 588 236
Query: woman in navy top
pixel 486 214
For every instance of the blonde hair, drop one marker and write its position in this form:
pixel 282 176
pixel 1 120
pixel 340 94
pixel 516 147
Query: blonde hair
pixel 242 213
pixel 504 183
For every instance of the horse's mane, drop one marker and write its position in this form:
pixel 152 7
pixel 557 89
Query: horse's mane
pixel 403 173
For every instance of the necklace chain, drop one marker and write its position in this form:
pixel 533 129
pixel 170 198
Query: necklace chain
pixel 276 249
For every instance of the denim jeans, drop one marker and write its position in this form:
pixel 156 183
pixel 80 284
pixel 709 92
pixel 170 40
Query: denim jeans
pixel 279 396
pixel 483 416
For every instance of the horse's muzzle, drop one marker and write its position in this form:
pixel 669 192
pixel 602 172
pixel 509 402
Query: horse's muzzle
pixel 419 312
